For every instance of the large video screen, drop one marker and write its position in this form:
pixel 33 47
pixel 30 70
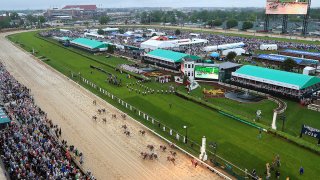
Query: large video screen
pixel 287 7
pixel 204 72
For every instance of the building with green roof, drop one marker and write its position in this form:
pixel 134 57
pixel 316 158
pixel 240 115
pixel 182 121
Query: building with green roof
pixel 90 45
pixel 294 84
pixel 167 58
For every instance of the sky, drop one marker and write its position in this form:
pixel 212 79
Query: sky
pixel 45 4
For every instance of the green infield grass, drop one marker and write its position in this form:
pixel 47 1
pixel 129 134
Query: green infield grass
pixel 237 142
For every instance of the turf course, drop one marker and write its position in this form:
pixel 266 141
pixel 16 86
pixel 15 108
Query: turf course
pixel 237 142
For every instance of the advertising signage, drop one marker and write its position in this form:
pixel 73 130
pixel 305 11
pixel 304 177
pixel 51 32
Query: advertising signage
pixel 204 72
pixel 310 131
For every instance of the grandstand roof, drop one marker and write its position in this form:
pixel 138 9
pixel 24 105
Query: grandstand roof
pixel 228 65
pixel 167 55
pixel 88 43
pixel 299 52
pixel 276 77
pixel 281 58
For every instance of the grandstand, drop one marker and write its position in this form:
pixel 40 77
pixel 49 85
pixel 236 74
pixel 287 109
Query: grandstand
pixel 275 59
pixel 301 54
pixel 89 45
pixel 276 82
pixel 166 58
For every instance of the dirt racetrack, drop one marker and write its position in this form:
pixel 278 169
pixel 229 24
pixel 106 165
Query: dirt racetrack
pixel 108 153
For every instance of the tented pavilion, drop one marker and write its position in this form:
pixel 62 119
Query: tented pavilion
pixel 301 54
pixel 275 59
pixel 276 82
pixel 89 45
pixel 166 58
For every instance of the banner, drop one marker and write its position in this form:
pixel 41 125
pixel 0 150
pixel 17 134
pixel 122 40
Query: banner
pixel 310 131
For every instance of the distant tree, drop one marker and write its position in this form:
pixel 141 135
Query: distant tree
pixel 100 32
pixel 111 49
pixel 104 20
pixel 86 23
pixel 14 16
pixel 144 18
pixel 185 79
pixel 210 23
pixel 31 19
pixel 231 55
pixel 232 23
pixel 247 25
pixel 5 23
pixel 121 31
pixel 177 32
pixel 21 22
pixel 288 64
pixel 217 22
pixel 41 20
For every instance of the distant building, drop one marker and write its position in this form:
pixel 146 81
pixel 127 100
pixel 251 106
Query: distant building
pixel 86 8
pixel 275 82
pixel 166 58
pixel 72 11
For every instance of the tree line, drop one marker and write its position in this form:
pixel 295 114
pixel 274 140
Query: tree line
pixel 13 20
pixel 213 18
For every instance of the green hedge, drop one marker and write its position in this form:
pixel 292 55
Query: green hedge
pixel 298 141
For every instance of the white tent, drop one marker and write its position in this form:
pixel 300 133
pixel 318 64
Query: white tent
pixel 309 70
pixel 223 47
pixel 194 34
pixel 192 42
pixel 93 35
pixel 238 51
pixel 156 33
pixel 129 33
pixel 65 30
pixel 269 47
pixel 154 44
pixel 108 29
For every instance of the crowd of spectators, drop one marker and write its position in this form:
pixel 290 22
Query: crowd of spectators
pixel 135 39
pixel 30 146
